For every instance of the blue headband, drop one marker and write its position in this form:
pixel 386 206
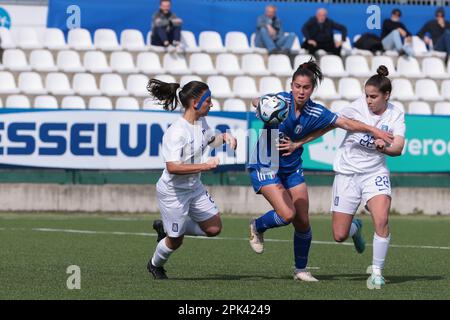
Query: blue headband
pixel 204 97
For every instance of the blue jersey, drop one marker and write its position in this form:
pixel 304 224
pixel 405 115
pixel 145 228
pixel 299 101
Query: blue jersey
pixel 313 117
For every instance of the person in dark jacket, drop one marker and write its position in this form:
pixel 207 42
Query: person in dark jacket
pixel 439 30
pixel 166 26
pixel 392 33
pixel 318 33
pixel 270 34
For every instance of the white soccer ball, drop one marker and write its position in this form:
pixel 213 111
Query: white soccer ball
pixel 272 109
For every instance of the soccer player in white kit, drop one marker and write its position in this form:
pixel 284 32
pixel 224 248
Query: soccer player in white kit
pixel 362 173
pixel 185 205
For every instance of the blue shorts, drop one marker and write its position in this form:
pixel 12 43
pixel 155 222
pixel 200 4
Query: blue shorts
pixel 288 180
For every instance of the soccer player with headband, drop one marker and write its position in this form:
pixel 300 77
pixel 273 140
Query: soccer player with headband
pixel 185 204
pixel 279 177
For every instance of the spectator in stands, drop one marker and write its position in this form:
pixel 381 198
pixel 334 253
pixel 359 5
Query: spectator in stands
pixel 318 33
pixel 439 30
pixel 270 33
pixel 392 33
pixel 166 27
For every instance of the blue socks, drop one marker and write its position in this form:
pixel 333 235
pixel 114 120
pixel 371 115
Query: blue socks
pixel 268 221
pixel 302 243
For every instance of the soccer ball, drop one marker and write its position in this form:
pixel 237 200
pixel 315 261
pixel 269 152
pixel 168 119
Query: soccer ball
pixel 272 109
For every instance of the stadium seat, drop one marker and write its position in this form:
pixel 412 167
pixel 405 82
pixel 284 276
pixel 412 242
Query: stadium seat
pixel 426 89
pixel 112 85
pixel 442 108
pixel 45 102
pixel 220 87
pixel 54 39
pixel 445 89
pixel 301 58
pixel 175 64
pixel 346 44
pixel 398 104
pixel 148 62
pixel 287 87
pixel 132 40
pixel 211 42
pixel 234 105
pixel 327 90
pixel 215 105
pixel 357 66
pixel 7 38
pixel 279 65
pixel 42 60
pixel 201 63
pixel 434 68
pixel 386 61
pixel 245 87
pixel 270 85
pixel 253 64
pixel 350 88
pixel 256 49
pixel 31 83
pixel 69 61
pixel 57 83
pixel 84 84
pixel 127 103
pixel 338 105
pixel 17 101
pixel 80 39
pixel 409 67
pixel 137 85
pixel 419 47
pixel 27 39
pixel 419 107
pixel 15 60
pixel 106 40
pixel 152 104
pixel 402 90
pixel 165 78
pixel 95 62
pixel 7 83
pixel 100 103
pixel 296 47
pixel 237 42
pixel 228 64
pixel 122 62
pixel 188 78
pixel 332 66
pixel 73 102
pixel 188 41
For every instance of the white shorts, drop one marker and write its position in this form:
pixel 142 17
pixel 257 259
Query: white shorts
pixel 349 190
pixel 176 207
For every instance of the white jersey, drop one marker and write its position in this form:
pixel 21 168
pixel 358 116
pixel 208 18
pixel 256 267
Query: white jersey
pixel 357 153
pixel 185 143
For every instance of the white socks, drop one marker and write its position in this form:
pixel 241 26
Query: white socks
pixel 162 254
pixel 380 249
pixel 193 229
pixel 353 229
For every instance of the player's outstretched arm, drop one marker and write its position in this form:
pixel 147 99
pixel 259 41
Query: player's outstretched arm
pixel 290 146
pixel 176 167
pixel 393 150
pixel 222 138
pixel 357 126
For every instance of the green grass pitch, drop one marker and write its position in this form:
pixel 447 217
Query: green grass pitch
pixel 112 252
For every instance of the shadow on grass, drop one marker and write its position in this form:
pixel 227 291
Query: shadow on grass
pixel 389 279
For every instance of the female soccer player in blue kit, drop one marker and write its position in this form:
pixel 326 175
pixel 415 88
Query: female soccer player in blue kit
pixel 279 178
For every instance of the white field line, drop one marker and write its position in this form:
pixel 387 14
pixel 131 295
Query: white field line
pixel 144 234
